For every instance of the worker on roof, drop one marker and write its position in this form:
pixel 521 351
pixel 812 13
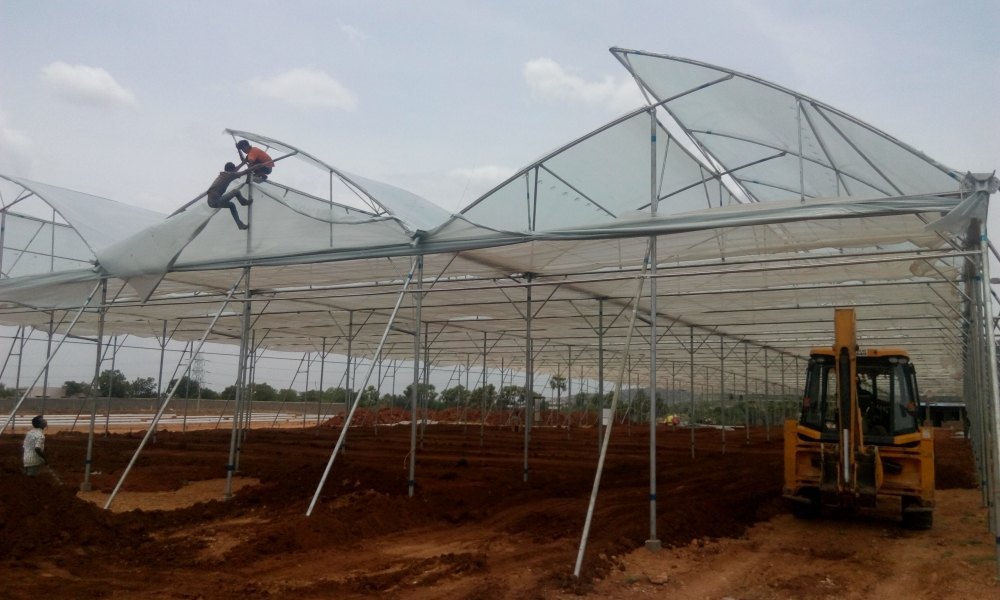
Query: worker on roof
pixel 257 160
pixel 219 198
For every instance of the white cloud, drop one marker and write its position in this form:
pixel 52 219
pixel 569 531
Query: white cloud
pixel 15 149
pixel 308 88
pixel 89 85
pixel 548 80
pixel 355 35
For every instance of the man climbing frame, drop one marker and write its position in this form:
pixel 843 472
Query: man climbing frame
pixel 258 161
pixel 219 198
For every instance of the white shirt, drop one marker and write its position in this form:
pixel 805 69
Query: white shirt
pixel 34 439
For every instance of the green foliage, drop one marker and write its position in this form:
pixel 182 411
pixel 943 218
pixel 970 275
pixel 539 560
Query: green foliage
pixel 369 396
pixel 454 396
pixel 188 388
pixel 509 396
pixel 311 396
pixel 336 395
pixel 490 393
pixel 425 392
pixel 263 392
pixel 112 383
pixel 143 387
pixel 76 389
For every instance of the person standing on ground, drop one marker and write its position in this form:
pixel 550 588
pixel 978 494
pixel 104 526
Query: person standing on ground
pixel 34 446
pixel 258 161
pixel 219 198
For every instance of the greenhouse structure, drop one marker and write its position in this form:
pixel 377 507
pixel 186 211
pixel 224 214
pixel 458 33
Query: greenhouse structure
pixel 706 236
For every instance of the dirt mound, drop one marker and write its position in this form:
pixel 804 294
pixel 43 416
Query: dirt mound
pixel 474 528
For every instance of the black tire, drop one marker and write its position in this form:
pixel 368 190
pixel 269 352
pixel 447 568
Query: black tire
pixel 913 519
pixel 918 520
pixel 810 509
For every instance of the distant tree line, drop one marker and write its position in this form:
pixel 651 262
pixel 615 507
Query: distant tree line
pixel 114 384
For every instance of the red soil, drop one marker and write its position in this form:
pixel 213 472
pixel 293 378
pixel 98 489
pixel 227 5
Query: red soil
pixel 474 529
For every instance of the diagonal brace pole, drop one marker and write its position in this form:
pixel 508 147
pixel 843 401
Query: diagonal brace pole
pixel 27 390
pixel 173 390
pixel 616 394
pixel 361 388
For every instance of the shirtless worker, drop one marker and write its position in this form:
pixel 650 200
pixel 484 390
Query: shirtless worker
pixel 258 161
pixel 219 198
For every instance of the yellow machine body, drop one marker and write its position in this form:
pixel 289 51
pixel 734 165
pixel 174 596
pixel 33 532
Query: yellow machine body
pixel 858 439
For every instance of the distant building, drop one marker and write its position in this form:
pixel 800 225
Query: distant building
pixel 53 392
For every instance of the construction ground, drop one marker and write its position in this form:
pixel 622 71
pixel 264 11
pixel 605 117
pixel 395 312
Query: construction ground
pixel 474 529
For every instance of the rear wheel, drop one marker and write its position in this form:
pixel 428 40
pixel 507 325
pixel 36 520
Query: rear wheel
pixel 809 509
pixel 916 519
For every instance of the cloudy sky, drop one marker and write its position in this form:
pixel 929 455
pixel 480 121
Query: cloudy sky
pixel 128 100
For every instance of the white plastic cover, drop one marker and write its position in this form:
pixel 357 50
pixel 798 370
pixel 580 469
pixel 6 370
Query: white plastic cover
pixel 771 209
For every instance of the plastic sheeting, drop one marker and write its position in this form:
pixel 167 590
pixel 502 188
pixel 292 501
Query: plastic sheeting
pixel 778 143
pixel 771 210
pixel 89 215
pixel 414 212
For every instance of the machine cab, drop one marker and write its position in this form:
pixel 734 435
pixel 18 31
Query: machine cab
pixel 887 397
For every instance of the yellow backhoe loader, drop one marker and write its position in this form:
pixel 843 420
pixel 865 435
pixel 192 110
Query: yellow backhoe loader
pixel 859 440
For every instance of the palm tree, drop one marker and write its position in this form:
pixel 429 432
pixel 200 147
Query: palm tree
pixel 558 383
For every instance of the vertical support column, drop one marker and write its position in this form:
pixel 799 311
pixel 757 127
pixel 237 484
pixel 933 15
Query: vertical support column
pixel 467 395
pixel 569 388
pixel 418 299
pixel 529 396
pixel 975 396
pixel 111 386
pixel 722 389
pixel 653 542
pixel 251 388
pixel 691 385
pixel 425 396
pixel 231 466
pixel 48 356
pixel 305 393
pixel 600 369
pixel 378 395
pixel 20 354
pixel 322 369
pixel 159 377
pixel 707 394
pixel 3 232
pixel 349 380
pixel 784 391
pixel 187 389
pixel 767 398
pixel 243 389
pixel 85 485
pixel 482 400
pixel 746 389
pixel 798 378
pixel 48 343
pixel 802 170
pixel 993 386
